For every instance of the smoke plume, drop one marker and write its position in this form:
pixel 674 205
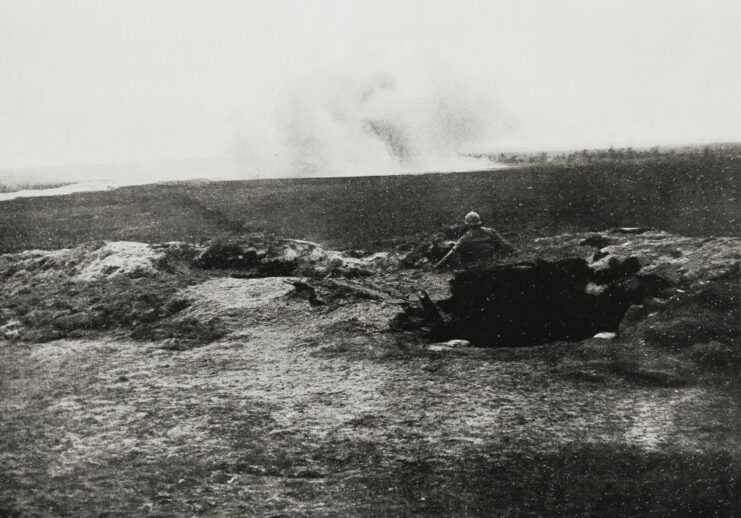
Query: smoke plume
pixel 369 116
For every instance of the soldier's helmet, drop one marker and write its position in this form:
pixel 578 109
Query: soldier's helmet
pixel 472 218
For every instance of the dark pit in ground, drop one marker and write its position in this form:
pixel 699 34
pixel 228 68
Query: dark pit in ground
pixel 536 303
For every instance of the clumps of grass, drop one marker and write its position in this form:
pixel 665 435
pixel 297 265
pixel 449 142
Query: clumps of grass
pixel 684 331
pixel 178 332
pixel 176 304
pixel 182 333
pixel 575 480
pixel 703 326
pixel 653 377
pixel 717 354
pixel 697 313
pixel 50 308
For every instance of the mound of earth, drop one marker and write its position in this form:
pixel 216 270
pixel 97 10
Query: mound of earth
pixel 700 315
pixel 269 256
pixel 570 287
pixel 642 283
pixel 672 290
pixel 684 261
pixel 138 288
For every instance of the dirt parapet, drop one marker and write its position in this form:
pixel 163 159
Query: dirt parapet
pixel 566 287
pixel 261 255
pixel 93 287
pixel 682 260
pixel 139 288
pixel 678 296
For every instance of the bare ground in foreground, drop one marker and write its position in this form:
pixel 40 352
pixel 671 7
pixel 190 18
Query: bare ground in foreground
pixel 315 411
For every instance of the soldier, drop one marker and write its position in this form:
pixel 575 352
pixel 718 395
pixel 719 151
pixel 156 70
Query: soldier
pixel 478 243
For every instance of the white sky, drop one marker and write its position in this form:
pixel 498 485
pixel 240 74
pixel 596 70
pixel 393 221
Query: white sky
pixel 97 81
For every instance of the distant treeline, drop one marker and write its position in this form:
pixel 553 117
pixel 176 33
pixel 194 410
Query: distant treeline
pixel 586 156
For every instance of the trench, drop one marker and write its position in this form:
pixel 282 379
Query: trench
pixel 541 302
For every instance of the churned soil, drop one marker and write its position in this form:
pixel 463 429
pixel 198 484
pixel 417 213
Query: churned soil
pixel 294 408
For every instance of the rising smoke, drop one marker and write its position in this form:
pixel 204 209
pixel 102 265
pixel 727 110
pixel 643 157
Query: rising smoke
pixel 369 116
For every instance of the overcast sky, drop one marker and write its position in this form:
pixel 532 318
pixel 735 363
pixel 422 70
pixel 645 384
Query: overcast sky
pixel 100 81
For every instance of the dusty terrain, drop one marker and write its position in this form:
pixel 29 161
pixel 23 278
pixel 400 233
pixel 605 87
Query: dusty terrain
pixel 194 380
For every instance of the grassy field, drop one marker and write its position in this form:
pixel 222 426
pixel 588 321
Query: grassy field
pixel 294 427
pixel 696 194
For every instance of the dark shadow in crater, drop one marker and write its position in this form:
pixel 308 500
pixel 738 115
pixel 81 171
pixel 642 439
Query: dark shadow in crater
pixel 535 303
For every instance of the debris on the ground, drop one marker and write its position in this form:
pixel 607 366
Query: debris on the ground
pixel 457 342
pixel 264 255
pixel 307 291
pixel 605 335
pixel 262 391
pixel 553 289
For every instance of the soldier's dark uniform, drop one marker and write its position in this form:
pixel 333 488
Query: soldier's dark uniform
pixel 478 244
